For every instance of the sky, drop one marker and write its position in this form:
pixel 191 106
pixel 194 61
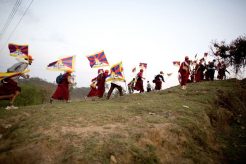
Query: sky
pixel 155 32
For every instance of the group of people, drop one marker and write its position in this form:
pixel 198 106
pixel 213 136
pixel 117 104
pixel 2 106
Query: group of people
pixel 137 83
pixel 9 88
pixel 97 87
pixel 201 71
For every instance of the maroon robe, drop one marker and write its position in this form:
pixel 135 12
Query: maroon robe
pixel 199 75
pixel 184 70
pixel 62 91
pixel 101 84
pixel 139 83
pixel 9 87
pixel 93 91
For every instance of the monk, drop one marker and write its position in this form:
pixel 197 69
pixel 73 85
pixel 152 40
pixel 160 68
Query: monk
pixel 184 71
pixel 158 81
pixel 101 82
pixel 139 83
pixel 62 90
pixel 199 69
pixel 93 90
pixel 9 88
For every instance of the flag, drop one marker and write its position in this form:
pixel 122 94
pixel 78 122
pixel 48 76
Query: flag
pixel 4 75
pixel 202 59
pixel 134 70
pixel 63 64
pixel 205 54
pixel 176 63
pixel 116 73
pixel 18 50
pixel 143 65
pixel 98 60
pixel 195 56
pixel 169 74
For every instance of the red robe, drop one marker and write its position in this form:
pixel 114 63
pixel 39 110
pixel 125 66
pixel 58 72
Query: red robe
pixel 9 87
pixel 93 91
pixel 199 72
pixel 101 84
pixel 184 70
pixel 62 92
pixel 139 83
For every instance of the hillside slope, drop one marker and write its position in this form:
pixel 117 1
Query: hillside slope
pixel 38 91
pixel 170 126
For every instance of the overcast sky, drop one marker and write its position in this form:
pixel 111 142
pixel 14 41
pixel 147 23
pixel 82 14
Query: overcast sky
pixel 156 32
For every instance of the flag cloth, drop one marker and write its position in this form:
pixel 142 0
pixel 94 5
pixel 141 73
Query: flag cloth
pixel 18 50
pixel 176 63
pixel 63 64
pixel 202 59
pixel 98 60
pixel 134 70
pixel 116 73
pixel 169 74
pixel 4 75
pixel 205 54
pixel 143 65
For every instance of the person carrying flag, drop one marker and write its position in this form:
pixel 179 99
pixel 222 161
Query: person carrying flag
pixel 101 77
pixel 93 90
pixel 62 90
pixel 9 88
pixel 139 83
pixel 158 81
pixel 115 84
pixel 184 71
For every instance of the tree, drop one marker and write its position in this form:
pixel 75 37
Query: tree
pixel 233 54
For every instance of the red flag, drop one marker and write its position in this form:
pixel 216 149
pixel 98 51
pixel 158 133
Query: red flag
pixel 63 64
pixel 116 72
pixel 98 60
pixel 143 65
pixel 176 63
pixel 205 54
pixel 134 69
pixel 18 50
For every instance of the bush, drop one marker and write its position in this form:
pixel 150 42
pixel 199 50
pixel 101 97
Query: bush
pixel 30 95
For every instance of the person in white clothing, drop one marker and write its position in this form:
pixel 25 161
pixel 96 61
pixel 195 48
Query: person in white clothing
pixel 115 84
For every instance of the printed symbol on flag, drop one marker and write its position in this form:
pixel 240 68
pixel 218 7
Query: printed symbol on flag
pixel 63 64
pixel 98 60
pixel 18 50
pixel 116 72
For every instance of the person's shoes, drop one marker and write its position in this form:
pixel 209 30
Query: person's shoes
pixel 8 108
pixel 11 107
pixel 14 107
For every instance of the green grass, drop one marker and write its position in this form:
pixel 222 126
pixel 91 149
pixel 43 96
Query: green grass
pixel 159 127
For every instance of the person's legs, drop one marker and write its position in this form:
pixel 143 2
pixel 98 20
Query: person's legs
pixel 120 90
pixel 4 97
pixel 14 97
pixel 111 90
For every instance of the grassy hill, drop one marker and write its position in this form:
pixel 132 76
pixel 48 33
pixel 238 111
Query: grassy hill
pixel 38 91
pixel 203 124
